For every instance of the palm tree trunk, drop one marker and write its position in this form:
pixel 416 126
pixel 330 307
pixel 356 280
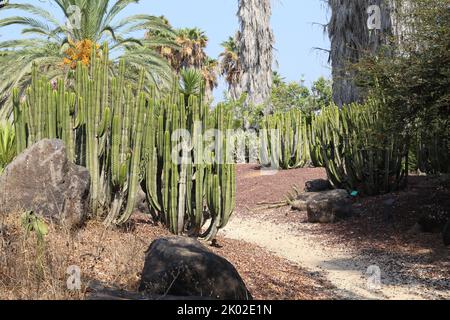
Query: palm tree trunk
pixel 255 48
pixel 351 39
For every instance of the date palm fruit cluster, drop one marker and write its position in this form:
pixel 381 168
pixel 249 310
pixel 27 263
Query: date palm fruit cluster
pixel 128 139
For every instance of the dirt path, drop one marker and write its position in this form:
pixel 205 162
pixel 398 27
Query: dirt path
pixel 307 245
pixel 339 265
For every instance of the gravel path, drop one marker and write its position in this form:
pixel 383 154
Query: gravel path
pixel 338 264
pixel 344 258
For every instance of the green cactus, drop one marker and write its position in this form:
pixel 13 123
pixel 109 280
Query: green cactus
pixel 126 138
pixel 285 140
pixel 359 150
pixel 8 141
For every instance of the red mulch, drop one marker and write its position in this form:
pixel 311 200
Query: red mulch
pixel 374 232
pixel 255 185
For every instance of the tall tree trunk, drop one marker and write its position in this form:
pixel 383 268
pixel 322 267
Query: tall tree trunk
pixel 351 39
pixel 256 51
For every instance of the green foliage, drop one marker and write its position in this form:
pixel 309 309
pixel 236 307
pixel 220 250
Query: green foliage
pixel 127 138
pixel 359 149
pixel 321 93
pixel 191 82
pixel 7 144
pixel 50 37
pixel 295 95
pixel 287 96
pixel 34 224
pixel 414 83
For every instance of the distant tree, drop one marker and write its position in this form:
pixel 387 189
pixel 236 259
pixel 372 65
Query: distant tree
pixel 189 53
pixel 289 95
pixel 56 45
pixel 230 66
pixel 322 92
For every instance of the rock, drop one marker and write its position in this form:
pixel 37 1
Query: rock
pixel 44 181
pixel 299 205
pixel 433 222
pixel 97 291
pixel 446 234
pixel 141 202
pixel 329 206
pixel 180 266
pixel 317 185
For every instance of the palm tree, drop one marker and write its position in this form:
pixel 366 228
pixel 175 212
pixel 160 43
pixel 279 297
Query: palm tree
pixel 56 46
pixel 209 75
pixel 189 53
pixel 256 51
pixel 351 40
pixel 230 66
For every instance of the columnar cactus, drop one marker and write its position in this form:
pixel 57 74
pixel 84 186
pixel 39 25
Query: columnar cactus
pixel 126 138
pixel 285 140
pixel 359 151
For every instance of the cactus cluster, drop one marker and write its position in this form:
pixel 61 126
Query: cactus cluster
pixel 284 140
pixel 188 186
pixel 127 139
pixel 354 144
pixel 359 150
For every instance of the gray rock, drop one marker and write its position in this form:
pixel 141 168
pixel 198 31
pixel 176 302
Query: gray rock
pixel 317 185
pixel 183 267
pixel 44 181
pixel 329 206
pixel 300 204
pixel 141 202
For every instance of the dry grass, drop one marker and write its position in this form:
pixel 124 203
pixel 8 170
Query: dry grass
pixel 115 257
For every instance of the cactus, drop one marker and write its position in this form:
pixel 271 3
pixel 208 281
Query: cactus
pixel 126 138
pixel 178 175
pixel 8 142
pixel 359 151
pixel 221 175
pixel 285 141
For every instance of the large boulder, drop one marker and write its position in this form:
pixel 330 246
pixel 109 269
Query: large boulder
pixel 181 266
pixel 43 180
pixel 317 185
pixel 329 206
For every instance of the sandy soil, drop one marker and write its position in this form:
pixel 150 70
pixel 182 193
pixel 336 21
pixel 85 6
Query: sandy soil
pixel 412 266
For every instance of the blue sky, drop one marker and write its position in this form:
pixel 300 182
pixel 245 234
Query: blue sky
pixel 293 21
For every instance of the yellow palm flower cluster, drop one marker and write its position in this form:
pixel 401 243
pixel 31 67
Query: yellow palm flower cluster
pixel 79 51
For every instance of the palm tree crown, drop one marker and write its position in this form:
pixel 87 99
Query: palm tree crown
pixel 55 46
